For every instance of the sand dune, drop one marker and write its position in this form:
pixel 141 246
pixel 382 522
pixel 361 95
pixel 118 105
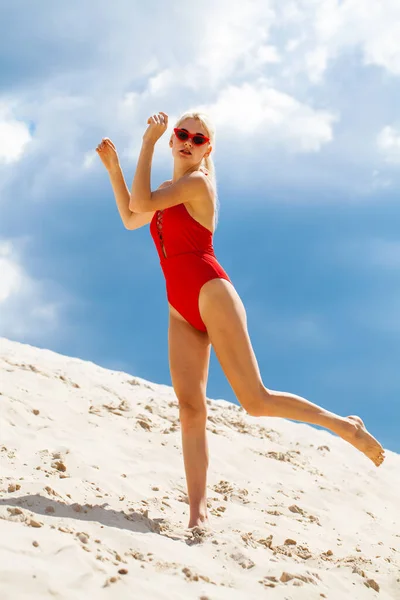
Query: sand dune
pixel 93 497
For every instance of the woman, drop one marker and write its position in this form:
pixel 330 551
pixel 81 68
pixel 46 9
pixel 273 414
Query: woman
pixel 204 307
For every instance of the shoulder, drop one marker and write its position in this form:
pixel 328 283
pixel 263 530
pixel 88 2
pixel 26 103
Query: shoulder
pixel 196 179
pixel 202 199
pixel 200 185
pixel 199 176
pixel 194 185
pixel 165 184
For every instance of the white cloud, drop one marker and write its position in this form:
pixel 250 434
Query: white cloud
pixel 267 54
pixel 14 137
pixel 162 81
pixel 228 39
pixel 382 35
pixel 321 31
pixel 254 109
pixel 12 276
pixel 232 59
pixel 230 35
pixel 389 144
pixel 89 159
pixel 240 60
pixel 25 308
pixel 316 63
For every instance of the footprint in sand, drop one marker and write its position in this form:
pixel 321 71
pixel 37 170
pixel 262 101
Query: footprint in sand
pixel 286 577
pixel 190 576
pixel 241 559
pixel 231 492
pixel 198 535
pixel 296 509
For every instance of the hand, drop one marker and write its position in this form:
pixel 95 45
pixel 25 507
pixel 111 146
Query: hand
pixel 108 154
pixel 157 126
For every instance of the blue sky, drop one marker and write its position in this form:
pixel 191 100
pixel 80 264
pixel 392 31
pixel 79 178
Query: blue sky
pixel 304 95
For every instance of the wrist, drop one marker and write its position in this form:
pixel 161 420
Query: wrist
pixel 148 144
pixel 114 170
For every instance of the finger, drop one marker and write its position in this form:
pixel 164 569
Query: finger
pixel 165 116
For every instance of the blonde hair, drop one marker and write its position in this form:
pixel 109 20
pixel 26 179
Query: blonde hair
pixel 207 164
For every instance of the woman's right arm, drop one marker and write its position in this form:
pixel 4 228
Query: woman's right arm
pixel 109 157
pixel 130 219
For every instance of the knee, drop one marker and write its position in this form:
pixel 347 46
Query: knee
pixel 259 404
pixel 192 409
pixel 253 410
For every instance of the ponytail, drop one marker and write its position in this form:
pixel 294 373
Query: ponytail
pixel 207 164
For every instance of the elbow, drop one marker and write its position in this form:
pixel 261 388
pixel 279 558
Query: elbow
pixel 133 205
pixel 138 205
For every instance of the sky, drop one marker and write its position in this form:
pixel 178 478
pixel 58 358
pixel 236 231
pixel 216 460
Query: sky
pixel 304 95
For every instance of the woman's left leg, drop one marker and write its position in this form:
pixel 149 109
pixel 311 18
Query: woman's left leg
pixel 225 318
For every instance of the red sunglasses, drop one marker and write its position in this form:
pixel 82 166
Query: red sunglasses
pixel 198 138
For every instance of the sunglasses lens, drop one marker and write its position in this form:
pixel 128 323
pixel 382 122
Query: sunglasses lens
pixel 182 135
pixel 199 140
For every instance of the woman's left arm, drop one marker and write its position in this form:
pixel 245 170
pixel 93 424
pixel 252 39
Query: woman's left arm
pixel 191 187
pixel 141 191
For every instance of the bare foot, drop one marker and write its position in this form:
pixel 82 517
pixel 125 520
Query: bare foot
pixel 361 439
pixel 200 521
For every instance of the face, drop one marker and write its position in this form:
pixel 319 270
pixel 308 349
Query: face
pixel 187 150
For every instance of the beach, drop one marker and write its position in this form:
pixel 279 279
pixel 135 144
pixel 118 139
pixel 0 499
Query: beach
pixel 93 497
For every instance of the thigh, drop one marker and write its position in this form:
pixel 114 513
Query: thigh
pixel 224 315
pixel 189 358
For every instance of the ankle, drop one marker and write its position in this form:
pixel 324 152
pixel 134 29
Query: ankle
pixel 199 515
pixel 198 521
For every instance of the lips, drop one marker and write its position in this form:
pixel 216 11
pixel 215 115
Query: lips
pixel 186 152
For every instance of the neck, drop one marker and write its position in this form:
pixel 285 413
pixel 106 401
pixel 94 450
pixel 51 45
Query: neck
pixel 180 170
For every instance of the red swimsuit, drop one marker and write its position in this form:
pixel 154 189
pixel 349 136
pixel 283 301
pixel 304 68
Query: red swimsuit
pixel 187 259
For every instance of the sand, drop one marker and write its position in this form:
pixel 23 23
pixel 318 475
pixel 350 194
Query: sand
pixel 93 497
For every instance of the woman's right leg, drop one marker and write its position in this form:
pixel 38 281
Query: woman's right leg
pixel 189 357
